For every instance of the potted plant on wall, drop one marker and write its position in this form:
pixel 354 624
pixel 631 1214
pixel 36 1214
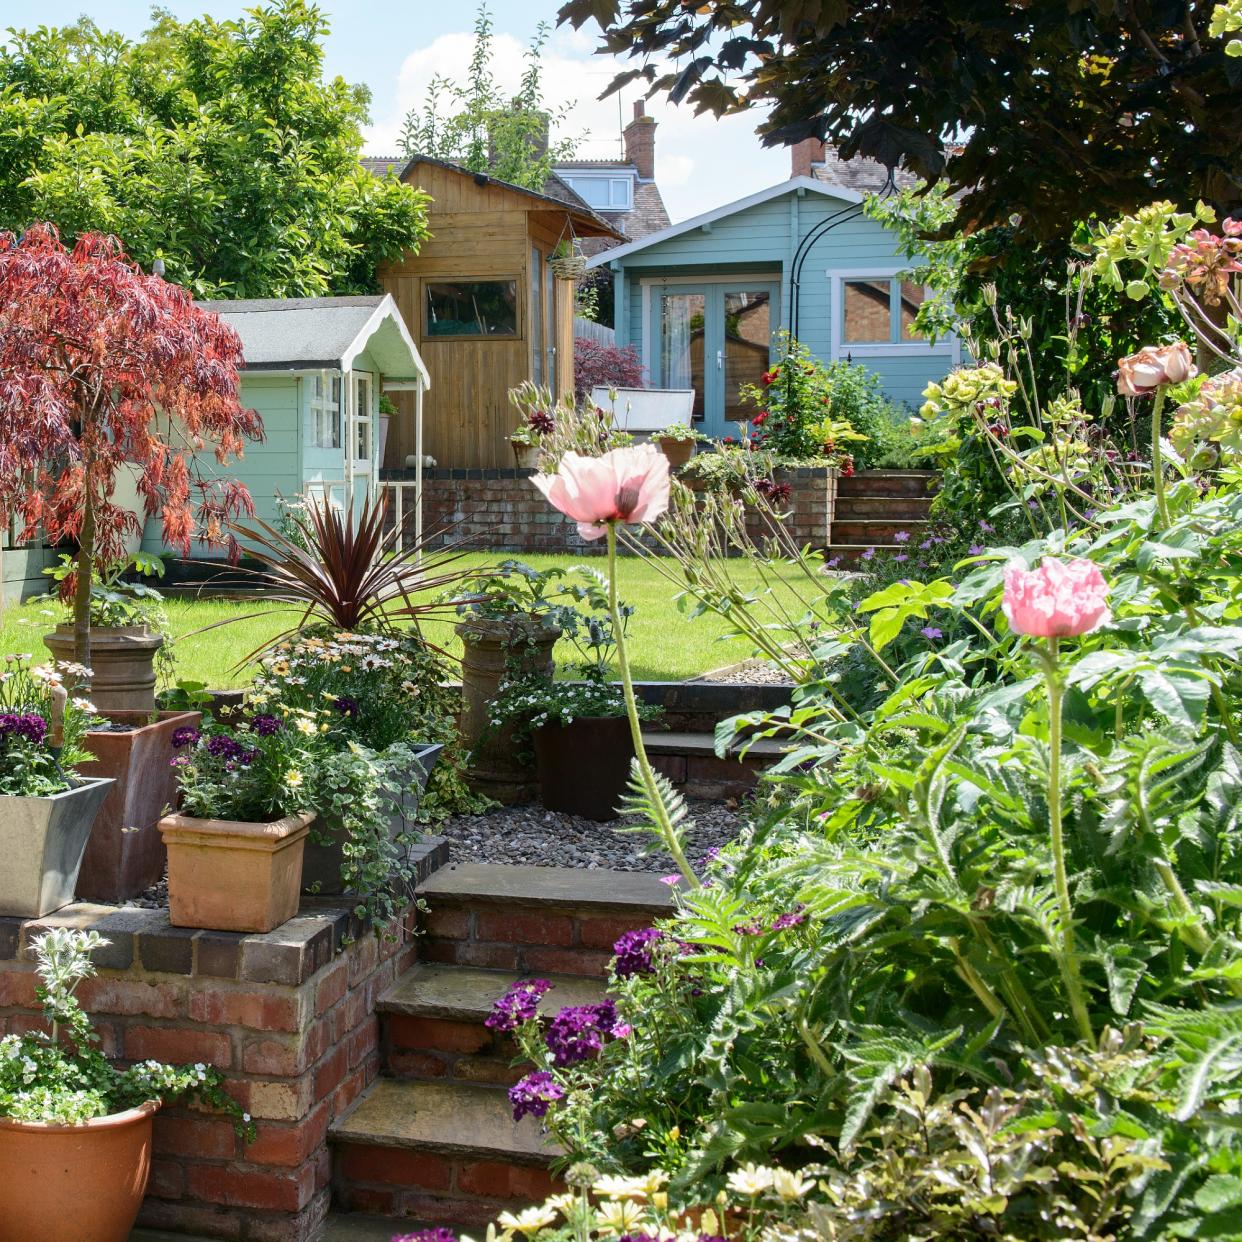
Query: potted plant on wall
pixel 75 1131
pixel 46 810
pixel 677 442
pixel 578 729
pixel 132 742
pixel 512 618
pixel 537 422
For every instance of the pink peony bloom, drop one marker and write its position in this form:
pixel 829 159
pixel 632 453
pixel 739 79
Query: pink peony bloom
pixel 1059 599
pixel 624 485
pixel 1153 365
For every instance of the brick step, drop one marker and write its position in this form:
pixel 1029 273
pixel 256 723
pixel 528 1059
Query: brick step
pixel 879 532
pixel 535 920
pixel 431 1022
pixel 338 1227
pixel 892 508
pixel 448 1152
pixel 690 761
pixel 889 483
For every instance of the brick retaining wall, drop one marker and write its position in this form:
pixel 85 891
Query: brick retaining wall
pixel 501 510
pixel 290 1019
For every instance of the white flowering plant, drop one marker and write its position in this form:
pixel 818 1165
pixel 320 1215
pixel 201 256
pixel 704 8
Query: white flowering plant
pixel 60 1077
pixel 34 760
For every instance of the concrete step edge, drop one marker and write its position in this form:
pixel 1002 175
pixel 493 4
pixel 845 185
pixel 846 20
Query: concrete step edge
pixel 413 995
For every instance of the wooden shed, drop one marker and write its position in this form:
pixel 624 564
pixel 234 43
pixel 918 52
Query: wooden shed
pixel 484 307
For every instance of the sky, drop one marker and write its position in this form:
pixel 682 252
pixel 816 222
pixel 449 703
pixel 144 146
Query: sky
pixel 396 46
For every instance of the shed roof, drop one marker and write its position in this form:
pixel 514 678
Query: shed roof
pixel 294 334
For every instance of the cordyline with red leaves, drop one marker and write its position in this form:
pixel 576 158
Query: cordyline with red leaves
pixel 102 365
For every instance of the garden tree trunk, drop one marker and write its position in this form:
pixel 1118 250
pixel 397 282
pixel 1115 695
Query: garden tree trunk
pixel 82 590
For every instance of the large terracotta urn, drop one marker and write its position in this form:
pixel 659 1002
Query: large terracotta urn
pixel 122 661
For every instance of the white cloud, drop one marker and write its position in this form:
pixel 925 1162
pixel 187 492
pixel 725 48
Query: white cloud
pixel 701 162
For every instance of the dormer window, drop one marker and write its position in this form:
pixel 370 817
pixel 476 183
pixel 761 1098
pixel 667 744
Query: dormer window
pixel 605 191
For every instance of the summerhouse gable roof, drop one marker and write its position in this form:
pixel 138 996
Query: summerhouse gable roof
pixel 307 334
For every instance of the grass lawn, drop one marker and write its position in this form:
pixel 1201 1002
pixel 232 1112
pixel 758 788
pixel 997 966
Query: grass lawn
pixel 664 644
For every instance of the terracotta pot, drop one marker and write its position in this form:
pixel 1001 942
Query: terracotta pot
pixel 324 854
pixel 42 841
pixel 678 452
pixel 490 650
pixel 125 853
pixel 74 1183
pixel 229 875
pixel 584 767
pixel 527 456
pixel 123 663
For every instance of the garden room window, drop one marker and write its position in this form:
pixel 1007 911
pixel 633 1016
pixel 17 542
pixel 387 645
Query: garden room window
pixel 880 311
pixel 326 411
pixel 472 308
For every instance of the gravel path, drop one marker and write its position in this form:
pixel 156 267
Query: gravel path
pixel 530 834
pixel 749 673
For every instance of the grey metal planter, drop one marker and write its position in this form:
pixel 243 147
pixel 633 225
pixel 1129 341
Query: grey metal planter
pixel 322 860
pixel 42 841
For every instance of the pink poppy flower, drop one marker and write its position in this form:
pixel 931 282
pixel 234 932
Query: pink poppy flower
pixel 624 485
pixel 1059 599
pixel 1153 365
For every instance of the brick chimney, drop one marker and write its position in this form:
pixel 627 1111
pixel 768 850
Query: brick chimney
pixel 805 153
pixel 639 137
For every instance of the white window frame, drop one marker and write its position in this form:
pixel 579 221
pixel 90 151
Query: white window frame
pixel 613 180
pixel 326 422
pixel 360 418
pixel 949 346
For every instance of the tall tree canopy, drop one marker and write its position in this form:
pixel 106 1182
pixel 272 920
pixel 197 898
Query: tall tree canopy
pixel 1042 112
pixel 474 124
pixel 217 146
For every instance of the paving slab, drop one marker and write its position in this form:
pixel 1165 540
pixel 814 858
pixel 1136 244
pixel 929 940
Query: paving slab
pixel 704 744
pixel 453 1118
pixel 550 886
pixel 464 993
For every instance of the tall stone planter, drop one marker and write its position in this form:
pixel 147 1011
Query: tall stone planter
pixel 42 841
pixel 123 663
pixel 493 649
pixel 324 853
pixel 229 875
pixel 125 853
pixel 80 1183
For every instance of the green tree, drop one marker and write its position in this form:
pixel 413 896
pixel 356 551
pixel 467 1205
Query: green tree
pixel 472 123
pixel 216 146
pixel 1033 112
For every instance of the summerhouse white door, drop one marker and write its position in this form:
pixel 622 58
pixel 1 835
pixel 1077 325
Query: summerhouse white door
pixel 361 432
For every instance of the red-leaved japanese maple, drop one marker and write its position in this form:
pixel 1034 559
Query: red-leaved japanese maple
pixel 102 364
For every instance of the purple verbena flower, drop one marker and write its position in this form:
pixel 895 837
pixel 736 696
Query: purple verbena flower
pixel 32 727
pixel 791 918
pixel 634 952
pixel 186 735
pixel 867 555
pixel 265 726
pixel 518 1005
pixel 578 1032
pixel 751 928
pixel 534 1094
pixel 902 536
pixel 349 708
pixel 222 746
pixel 976 549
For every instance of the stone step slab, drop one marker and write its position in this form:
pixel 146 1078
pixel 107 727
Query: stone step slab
pixel 432 1022
pixel 535 920
pixel 891 508
pixel 444 1152
pixel 889 483
pixel 690 761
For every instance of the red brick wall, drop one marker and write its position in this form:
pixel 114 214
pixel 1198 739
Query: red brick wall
pixel 501 510
pixel 289 1018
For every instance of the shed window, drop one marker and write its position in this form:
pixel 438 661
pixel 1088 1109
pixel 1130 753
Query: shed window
pixel 880 311
pixel 326 411
pixel 472 308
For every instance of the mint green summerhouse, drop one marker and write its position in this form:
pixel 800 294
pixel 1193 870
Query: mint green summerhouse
pixel 315 371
